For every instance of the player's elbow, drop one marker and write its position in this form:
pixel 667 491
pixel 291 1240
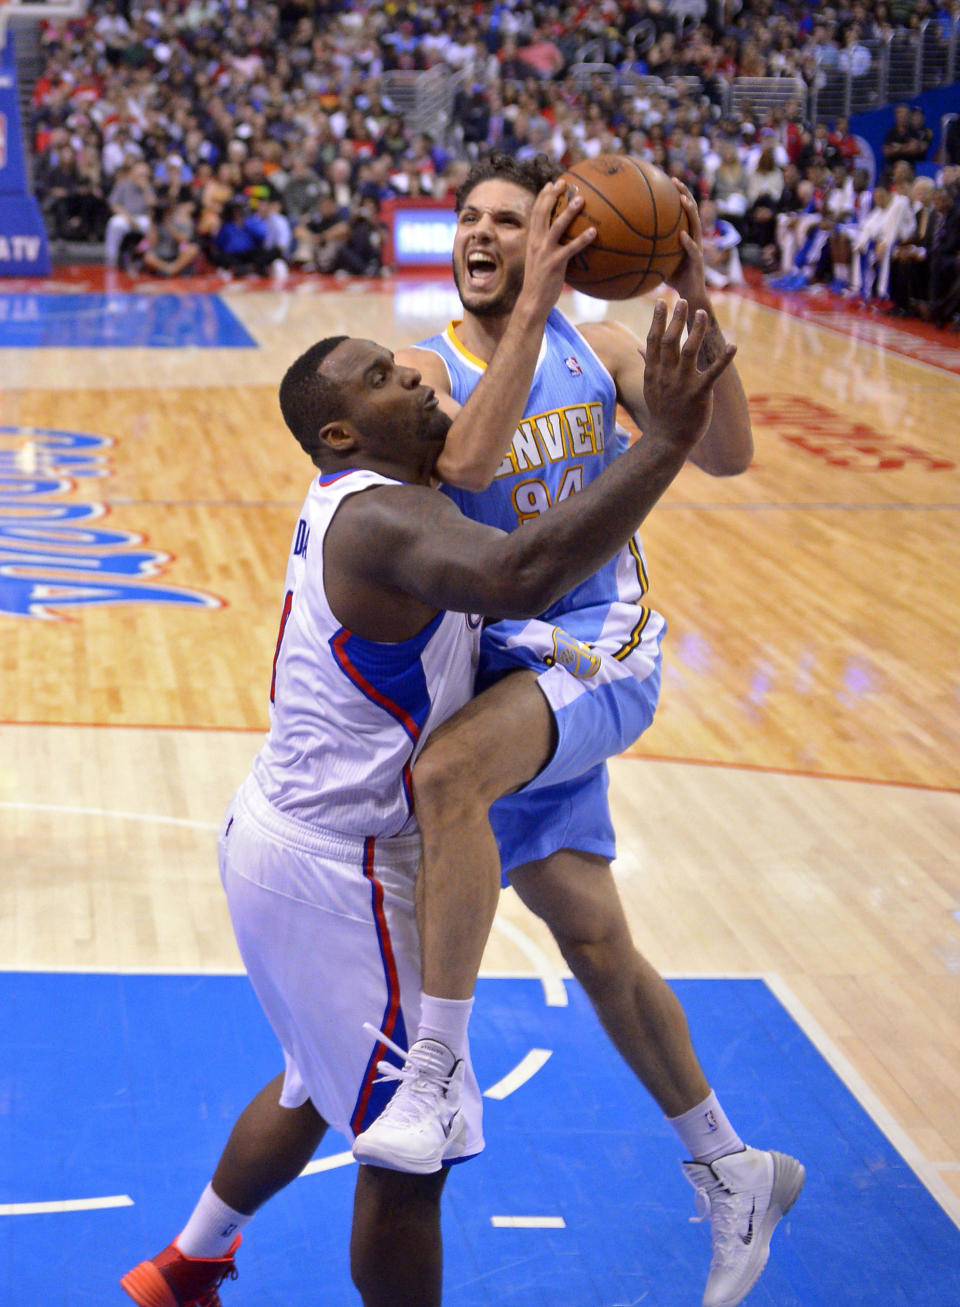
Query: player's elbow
pixel 734 464
pixel 723 462
pixel 462 474
pixel 529 586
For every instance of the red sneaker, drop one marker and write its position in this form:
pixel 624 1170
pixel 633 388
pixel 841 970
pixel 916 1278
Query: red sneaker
pixel 172 1280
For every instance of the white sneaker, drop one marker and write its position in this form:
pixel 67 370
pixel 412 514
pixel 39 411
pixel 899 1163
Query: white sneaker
pixel 744 1195
pixel 422 1124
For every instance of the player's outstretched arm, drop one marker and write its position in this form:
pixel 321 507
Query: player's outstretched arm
pixel 727 445
pixel 411 540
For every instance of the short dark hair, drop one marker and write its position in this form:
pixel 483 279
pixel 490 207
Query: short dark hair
pixel 307 399
pixel 532 174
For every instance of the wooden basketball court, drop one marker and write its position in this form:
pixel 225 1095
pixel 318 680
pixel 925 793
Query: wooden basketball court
pixel 793 813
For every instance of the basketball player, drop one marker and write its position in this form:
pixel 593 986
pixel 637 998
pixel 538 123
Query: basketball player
pixel 319 850
pixel 537 424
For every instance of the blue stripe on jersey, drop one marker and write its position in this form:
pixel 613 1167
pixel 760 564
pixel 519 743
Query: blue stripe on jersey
pixel 390 675
pixel 375 1094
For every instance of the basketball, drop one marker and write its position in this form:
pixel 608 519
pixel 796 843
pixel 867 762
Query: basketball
pixel 636 210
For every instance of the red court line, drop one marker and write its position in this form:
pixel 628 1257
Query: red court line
pixel 792 771
pixel 629 757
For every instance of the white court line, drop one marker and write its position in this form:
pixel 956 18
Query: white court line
pixel 554 990
pixel 65 1205
pixel 328 1163
pixel 927 1172
pixel 528 1222
pixel 107 812
pixel 924 1170
pixel 521 1073
pixel 79 969
pixel 525 1069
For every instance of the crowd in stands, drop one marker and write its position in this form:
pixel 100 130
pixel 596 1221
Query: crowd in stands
pixel 251 138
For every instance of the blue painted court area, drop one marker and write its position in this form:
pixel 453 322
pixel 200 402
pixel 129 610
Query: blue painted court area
pixel 124 320
pixel 127 1085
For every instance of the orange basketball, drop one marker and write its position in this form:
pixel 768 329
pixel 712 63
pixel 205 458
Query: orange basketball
pixel 637 212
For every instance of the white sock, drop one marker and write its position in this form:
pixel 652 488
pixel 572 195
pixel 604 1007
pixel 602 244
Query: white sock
pixel 841 272
pixel 445 1019
pixel 705 1131
pixel 212 1228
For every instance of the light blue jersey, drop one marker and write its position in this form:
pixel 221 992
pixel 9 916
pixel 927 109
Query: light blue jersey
pixel 567 436
pixel 596 651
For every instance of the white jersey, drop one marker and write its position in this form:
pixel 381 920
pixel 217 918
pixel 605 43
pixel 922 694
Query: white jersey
pixel 348 716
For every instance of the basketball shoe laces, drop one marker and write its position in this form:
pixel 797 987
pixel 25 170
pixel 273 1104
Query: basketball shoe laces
pixel 729 1217
pixel 211 1298
pixel 423 1075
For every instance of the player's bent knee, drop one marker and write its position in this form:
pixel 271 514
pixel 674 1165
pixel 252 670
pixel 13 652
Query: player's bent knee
pixel 448 780
pixel 599 960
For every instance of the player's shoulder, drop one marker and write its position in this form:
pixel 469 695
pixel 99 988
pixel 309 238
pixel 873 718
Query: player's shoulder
pixel 611 341
pixel 428 363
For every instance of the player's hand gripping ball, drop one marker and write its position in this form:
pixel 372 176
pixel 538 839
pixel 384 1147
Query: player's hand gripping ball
pixel 636 210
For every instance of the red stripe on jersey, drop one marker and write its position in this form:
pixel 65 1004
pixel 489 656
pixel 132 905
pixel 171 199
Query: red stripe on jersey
pixel 392 979
pixel 360 681
pixel 328 478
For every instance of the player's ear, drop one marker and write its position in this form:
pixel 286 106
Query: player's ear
pixel 340 437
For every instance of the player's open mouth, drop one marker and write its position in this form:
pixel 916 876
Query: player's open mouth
pixel 481 268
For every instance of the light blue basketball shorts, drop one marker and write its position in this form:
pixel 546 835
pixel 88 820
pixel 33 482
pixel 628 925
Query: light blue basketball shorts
pixel 600 673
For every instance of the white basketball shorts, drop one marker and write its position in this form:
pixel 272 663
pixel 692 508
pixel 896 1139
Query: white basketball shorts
pixel 327 930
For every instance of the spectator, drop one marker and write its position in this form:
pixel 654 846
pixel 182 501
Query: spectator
pixel 857 202
pixel 721 259
pixel 57 185
pixel 171 182
pixel 255 186
pixel 910 260
pixel 865 268
pixel 822 47
pixel 854 56
pixel 922 135
pixel 114 31
pixel 845 143
pixel 730 185
pixel 944 301
pixel 240 246
pixel 951 141
pixel 393 140
pixel 472 114
pixel 819 149
pixel 169 249
pixel 131 202
pixel 120 148
pixel 360 253
pixel 217 193
pixel 322 233
pixel 794 227
pixel 88 211
pixel 278 234
pixel 764 191
pixel 301 191
pixel 899 143
pixel 338 174
pixel 899 225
